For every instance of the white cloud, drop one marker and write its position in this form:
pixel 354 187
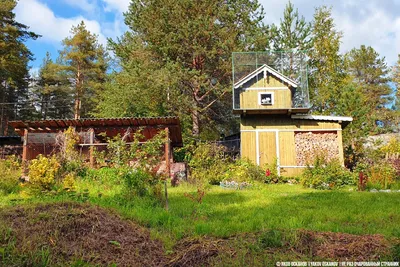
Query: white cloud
pixel 118 5
pixel 373 23
pixel 87 5
pixel 43 21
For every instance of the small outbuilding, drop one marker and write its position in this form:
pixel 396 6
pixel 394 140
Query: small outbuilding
pixel 39 137
pixel 275 120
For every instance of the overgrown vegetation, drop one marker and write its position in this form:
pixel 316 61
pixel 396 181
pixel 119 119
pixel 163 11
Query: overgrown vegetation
pixel 209 164
pixel 10 172
pixel 325 174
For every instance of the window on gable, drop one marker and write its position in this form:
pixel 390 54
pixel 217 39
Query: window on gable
pixel 266 98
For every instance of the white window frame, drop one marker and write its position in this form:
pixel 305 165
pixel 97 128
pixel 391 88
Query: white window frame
pixel 272 98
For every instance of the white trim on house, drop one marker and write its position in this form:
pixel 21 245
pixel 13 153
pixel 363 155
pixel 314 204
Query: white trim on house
pixel 266 88
pixel 321 118
pixel 266 104
pixel 278 157
pixel 265 68
pixel 257 149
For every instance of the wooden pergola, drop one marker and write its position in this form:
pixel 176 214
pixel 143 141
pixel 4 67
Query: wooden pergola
pixel 39 137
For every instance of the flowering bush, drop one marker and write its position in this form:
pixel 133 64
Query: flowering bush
pixel 43 171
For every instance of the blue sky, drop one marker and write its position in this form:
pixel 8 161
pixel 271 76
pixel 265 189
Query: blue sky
pixel 370 22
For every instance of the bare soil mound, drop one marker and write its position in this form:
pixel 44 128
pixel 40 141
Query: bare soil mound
pixel 73 231
pixel 341 246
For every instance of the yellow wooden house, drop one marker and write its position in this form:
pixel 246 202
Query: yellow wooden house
pixel 276 124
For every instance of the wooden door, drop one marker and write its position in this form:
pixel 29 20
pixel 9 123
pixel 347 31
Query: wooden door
pixel 267 147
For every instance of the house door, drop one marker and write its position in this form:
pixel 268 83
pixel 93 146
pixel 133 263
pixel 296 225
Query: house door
pixel 266 147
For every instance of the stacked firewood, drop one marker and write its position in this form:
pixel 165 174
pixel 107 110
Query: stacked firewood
pixel 10 150
pixel 310 144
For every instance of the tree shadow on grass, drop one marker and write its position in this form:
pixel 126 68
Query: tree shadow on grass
pixel 337 211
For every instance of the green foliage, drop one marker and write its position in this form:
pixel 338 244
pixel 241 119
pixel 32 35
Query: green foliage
pixel 370 72
pixel 352 103
pixel 84 61
pixel 69 181
pixel 271 239
pixel 51 91
pixel 208 164
pixel 43 172
pixel 326 175
pixel 243 170
pixel 392 147
pixel 396 252
pixel 179 52
pixel 381 176
pixel 326 63
pixel 14 60
pixel 271 172
pixel 293 33
pixel 10 171
pixel 140 183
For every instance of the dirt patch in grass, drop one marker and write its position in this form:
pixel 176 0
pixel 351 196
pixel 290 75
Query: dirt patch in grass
pixel 73 232
pixel 341 246
pixel 195 252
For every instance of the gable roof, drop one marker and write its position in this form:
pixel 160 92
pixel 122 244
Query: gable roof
pixel 265 68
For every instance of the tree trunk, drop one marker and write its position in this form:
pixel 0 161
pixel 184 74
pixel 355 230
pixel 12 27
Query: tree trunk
pixel 77 108
pixel 195 120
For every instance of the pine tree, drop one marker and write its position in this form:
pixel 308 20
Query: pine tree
pixel 292 37
pixel 192 41
pixel 370 72
pixel 326 63
pixel 14 59
pixel 51 92
pixel 293 32
pixel 84 62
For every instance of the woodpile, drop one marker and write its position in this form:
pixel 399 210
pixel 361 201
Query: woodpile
pixel 10 150
pixel 310 144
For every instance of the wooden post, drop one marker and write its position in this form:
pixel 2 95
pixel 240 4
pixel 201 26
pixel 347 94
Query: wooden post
pixel 91 148
pixel 167 165
pixel 25 154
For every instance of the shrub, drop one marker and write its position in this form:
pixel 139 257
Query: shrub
pixel 271 173
pixel 10 171
pixel 381 176
pixel 208 164
pixel 69 181
pixel 243 170
pixel 327 175
pixel 140 183
pixel 43 171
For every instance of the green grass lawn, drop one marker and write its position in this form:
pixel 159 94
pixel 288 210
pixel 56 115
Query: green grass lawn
pixel 225 212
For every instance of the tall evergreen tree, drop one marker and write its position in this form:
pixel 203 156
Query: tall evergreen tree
pixel 84 62
pixel 192 42
pixel 14 59
pixel 292 37
pixel 370 72
pixel 293 32
pixel 51 92
pixel 327 73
